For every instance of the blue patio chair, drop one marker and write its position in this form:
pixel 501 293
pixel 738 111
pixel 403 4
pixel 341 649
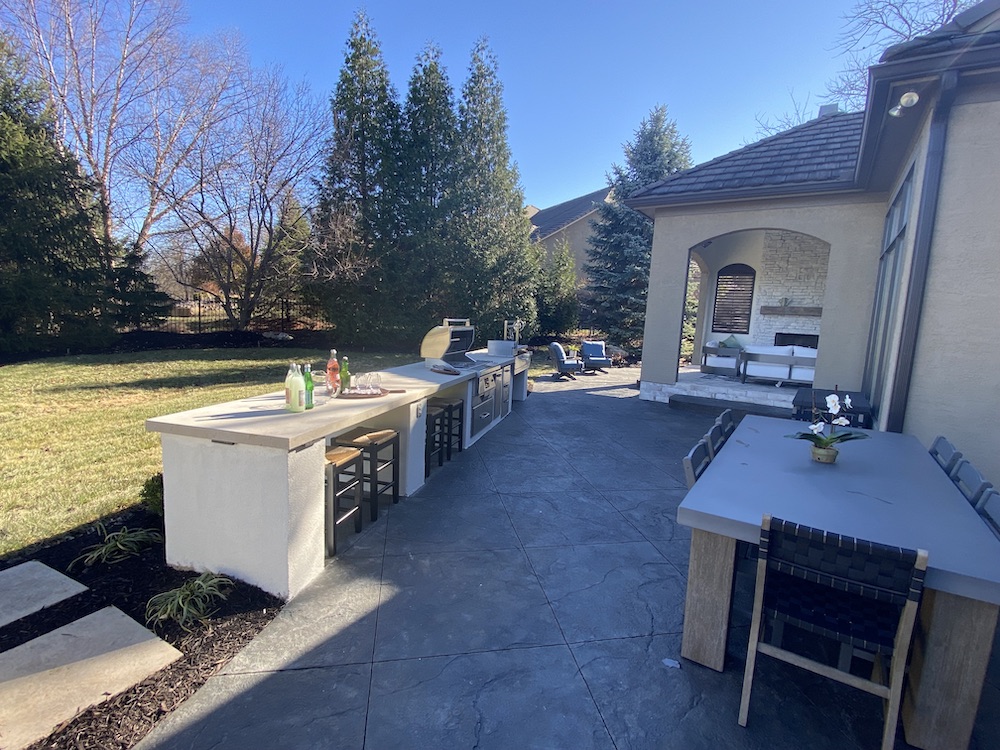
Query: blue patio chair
pixel 970 481
pixel 989 509
pixel 594 356
pixel 564 365
pixel 860 594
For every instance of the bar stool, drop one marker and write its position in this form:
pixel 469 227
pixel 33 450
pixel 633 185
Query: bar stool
pixel 380 451
pixel 343 478
pixel 454 417
pixel 434 437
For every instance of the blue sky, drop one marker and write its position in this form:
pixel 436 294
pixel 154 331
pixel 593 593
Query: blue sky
pixel 579 75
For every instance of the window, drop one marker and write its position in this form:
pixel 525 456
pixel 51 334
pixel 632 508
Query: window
pixel 887 296
pixel 733 299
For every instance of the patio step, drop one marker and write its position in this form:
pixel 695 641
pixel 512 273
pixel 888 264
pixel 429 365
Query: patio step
pixel 31 586
pixel 701 403
pixel 51 679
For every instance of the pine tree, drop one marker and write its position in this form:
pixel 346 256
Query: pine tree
pixel 53 284
pixel 358 183
pixel 558 304
pixel 622 239
pixel 497 272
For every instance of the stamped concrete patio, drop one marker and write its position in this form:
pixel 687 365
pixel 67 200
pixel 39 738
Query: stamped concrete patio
pixel 529 596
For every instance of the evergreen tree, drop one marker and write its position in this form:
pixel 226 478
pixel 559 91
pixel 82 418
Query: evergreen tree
pixel 357 186
pixel 424 270
pixel 52 282
pixel 496 272
pixel 622 239
pixel 558 305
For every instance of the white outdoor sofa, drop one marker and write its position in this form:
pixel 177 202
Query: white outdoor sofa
pixel 783 364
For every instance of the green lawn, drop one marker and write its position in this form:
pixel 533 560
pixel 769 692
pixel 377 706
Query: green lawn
pixel 73 444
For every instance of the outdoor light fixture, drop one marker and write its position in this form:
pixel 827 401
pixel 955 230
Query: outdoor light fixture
pixel 907 100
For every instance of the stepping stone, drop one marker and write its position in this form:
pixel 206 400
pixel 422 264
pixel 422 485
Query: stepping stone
pixel 31 586
pixel 58 675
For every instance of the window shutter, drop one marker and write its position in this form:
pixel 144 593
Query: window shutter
pixel 733 299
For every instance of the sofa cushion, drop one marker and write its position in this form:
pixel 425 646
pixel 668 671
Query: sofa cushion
pixel 784 351
pixel 731 343
pixel 805 351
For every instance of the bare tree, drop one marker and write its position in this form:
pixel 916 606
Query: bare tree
pixel 131 95
pixel 243 222
pixel 871 27
pixel 798 115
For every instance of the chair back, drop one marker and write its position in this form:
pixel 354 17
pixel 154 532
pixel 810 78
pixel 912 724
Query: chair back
pixel 695 462
pixel 944 453
pixel 969 481
pixel 989 509
pixel 556 350
pixel 715 438
pixel 592 349
pixel 809 561
pixel 727 422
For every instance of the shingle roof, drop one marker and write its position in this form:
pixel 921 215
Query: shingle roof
pixel 548 221
pixel 818 156
pixel 957 34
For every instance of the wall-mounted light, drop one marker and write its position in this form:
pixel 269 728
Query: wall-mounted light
pixel 907 100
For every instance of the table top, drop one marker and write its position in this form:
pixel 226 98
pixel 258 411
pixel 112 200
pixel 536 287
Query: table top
pixel 262 420
pixel 885 489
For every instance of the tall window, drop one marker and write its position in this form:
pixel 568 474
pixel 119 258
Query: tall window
pixel 733 299
pixel 887 296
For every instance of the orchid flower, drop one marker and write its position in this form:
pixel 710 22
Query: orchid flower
pixel 847 401
pixel 833 403
pixel 842 422
pixel 817 428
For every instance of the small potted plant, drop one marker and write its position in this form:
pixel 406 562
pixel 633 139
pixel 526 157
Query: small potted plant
pixel 824 443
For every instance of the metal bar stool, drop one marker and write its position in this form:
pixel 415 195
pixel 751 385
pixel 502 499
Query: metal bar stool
pixel 343 480
pixel 434 438
pixel 380 451
pixel 454 428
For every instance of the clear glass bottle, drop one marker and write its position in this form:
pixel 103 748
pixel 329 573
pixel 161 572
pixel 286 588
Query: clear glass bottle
pixel 288 385
pixel 297 391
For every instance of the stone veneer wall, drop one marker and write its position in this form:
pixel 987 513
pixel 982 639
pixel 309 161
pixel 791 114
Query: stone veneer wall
pixel 793 267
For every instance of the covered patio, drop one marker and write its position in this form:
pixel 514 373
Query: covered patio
pixel 530 595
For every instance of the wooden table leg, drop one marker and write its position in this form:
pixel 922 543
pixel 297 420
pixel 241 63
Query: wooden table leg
pixel 951 650
pixel 709 597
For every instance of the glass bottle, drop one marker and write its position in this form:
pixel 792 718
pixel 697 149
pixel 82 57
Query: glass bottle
pixel 297 391
pixel 288 385
pixel 332 375
pixel 345 375
pixel 309 385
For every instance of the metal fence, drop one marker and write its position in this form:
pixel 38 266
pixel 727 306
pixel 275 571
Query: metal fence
pixel 201 315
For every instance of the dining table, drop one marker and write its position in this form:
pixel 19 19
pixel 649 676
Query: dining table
pixel 885 489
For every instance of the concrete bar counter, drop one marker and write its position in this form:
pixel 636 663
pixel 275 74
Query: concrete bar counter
pixel 243 480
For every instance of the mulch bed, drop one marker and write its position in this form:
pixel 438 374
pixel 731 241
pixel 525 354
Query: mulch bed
pixel 123 720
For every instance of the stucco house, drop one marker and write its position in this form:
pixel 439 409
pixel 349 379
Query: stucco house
pixel 570 221
pixel 877 232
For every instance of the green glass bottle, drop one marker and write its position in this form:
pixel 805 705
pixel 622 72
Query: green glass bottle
pixel 307 377
pixel 345 375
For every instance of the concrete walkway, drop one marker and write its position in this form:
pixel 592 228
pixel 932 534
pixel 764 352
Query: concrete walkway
pixel 529 596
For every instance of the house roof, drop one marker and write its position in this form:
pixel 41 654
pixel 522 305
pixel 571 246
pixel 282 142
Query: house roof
pixel 818 156
pixel 548 221
pixel 961 32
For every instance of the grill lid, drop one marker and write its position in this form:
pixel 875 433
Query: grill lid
pixel 448 343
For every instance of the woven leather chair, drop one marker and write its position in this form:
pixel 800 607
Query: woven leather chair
pixel 861 594
pixel 944 453
pixel 564 365
pixel 695 462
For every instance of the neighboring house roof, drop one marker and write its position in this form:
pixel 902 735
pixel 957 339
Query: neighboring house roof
pixel 548 221
pixel 818 156
pixel 958 34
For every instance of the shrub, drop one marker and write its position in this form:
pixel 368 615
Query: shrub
pixel 152 494
pixel 189 603
pixel 118 545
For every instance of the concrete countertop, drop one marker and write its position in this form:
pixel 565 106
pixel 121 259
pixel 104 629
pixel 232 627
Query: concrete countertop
pixel 262 420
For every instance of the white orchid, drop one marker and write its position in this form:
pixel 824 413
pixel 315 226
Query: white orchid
pixel 833 404
pixel 817 434
pixel 847 401
pixel 817 428
pixel 842 422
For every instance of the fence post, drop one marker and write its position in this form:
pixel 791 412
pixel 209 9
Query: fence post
pixel 197 298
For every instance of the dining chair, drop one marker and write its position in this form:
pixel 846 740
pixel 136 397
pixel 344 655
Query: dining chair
pixel 861 594
pixel 969 481
pixel 715 438
pixel 944 453
pixel 727 422
pixel 989 509
pixel 695 462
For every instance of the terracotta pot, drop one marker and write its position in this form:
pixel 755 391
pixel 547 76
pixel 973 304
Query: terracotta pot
pixel 824 455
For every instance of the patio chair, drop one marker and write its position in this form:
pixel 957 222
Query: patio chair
pixel 944 453
pixel 564 365
pixel 715 438
pixel 727 423
pixel 969 481
pixel 861 594
pixel 695 462
pixel 989 509
pixel 594 356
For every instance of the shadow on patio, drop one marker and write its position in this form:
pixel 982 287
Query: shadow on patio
pixel 530 595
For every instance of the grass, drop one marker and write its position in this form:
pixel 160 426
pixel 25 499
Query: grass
pixel 73 444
